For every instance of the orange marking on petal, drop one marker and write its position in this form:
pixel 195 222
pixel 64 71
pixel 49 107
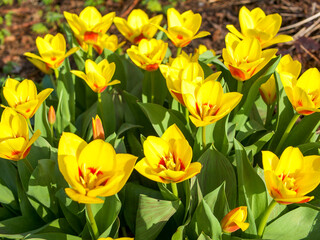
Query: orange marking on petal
pixel 182 167
pixel 28 110
pixel 237 73
pixel 91 36
pixel 180 36
pixel 152 67
pixel 179 97
pixel 162 162
pixel 137 39
pixel 13 153
pixel 26 152
pixel 94 171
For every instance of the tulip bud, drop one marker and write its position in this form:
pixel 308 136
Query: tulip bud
pixel 235 220
pixel 97 128
pixel 51 115
pixel 268 91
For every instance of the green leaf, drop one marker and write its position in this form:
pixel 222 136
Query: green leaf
pixel 203 236
pixel 300 223
pixel 39 28
pixel 53 236
pixel 251 189
pixel 258 145
pixel 152 215
pixel 154 82
pixel 107 113
pixel 162 118
pixel 41 121
pixel 216 169
pixel 251 89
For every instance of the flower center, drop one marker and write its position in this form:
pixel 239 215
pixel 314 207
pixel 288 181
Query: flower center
pixel 170 162
pixel 288 182
pixel 207 109
pixel 91 177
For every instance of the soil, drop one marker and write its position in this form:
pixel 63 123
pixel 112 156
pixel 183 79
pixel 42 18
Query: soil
pixel 296 15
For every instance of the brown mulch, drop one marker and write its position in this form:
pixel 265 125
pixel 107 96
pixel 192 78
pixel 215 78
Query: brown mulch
pixel 299 19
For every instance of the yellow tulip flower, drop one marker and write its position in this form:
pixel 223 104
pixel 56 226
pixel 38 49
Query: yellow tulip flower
pixel 245 58
pixel 202 49
pixel 293 176
pixel 138 26
pixel 286 66
pixel 89 25
pixel 92 169
pixel 183 28
pixel 257 24
pixel 206 102
pixel 97 128
pixel 23 97
pixel 109 42
pixel 14 136
pixel 52 50
pixel 234 220
pixel 182 67
pixel 97 76
pixel 304 93
pixel 149 54
pixel 168 159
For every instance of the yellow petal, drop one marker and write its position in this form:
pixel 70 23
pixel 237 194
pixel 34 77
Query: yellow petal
pixel 193 169
pixel 70 144
pixel 269 160
pixel 144 169
pixel 81 198
pixel 291 161
pixel 155 149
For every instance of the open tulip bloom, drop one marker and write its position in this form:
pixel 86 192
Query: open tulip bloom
pixel 291 177
pixel 168 158
pixel 138 26
pixel 52 50
pixel 89 25
pixel 183 28
pixel 23 97
pixel 92 169
pixel 14 136
pixel 257 24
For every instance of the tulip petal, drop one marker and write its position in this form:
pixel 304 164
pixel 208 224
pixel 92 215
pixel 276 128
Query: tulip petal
pixel 193 169
pixel 71 144
pixel 81 198
pixel 155 149
pixel 144 169
pixel 269 160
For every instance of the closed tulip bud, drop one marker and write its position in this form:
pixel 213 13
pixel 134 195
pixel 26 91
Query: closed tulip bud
pixel 168 159
pixel 97 128
pixel 234 220
pixel 183 28
pixel 291 177
pixel 23 97
pixel 256 24
pixel 14 136
pixel 138 26
pixel 268 91
pixel 52 50
pixel 51 115
pixel 149 54
pixel 92 169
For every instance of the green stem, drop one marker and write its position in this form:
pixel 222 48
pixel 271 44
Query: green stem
pixel 92 222
pixel 204 136
pixel 265 217
pixel 89 56
pixel 152 85
pixel 51 132
pixel 53 81
pixel 286 133
pixel 29 125
pixel 270 109
pixel 174 189
pixel 239 90
pixel 28 165
pixel 56 73
pixel 179 51
pixel 186 115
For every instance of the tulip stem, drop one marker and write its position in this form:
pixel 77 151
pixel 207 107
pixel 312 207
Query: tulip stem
pixel 186 115
pixel 89 56
pixel 286 133
pixel 204 136
pixel 29 125
pixel 239 90
pixel 51 132
pixel 56 73
pixel 152 80
pixel 28 165
pixel 270 109
pixel 53 82
pixel 179 51
pixel 174 189
pixel 92 222
pixel 265 217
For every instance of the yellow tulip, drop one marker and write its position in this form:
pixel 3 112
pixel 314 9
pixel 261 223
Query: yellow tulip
pixel 138 26
pixel 97 128
pixel 52 50
pixel 89 25
pixel 183 28
pixel 304 93
pixel 286 66
pixel 109 42
pixel 293 176
pixel 97 76
pixel 257 24
pixel 149 54
pixel 234 220
pixel 42 66
pixel 182 67
pixel 206 102
pixel 245 58
pixel 14 136
pixel 202 49
pixel 23 97
pixel 92 169
pixel 168 159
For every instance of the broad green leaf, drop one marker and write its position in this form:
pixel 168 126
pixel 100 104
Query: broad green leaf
pixel 300 223
pixel 248 129
pixel 251 189
pixel 152 215
pixel 41 121
pixel 217 169
pixel 154 83
pixel 107 113
pixel 53 236
pixel 203 236
pixel 258 145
